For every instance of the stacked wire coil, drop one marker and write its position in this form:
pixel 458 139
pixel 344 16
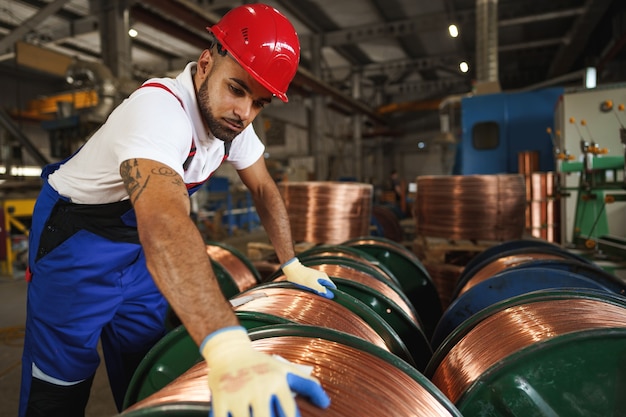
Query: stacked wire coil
pixel 508 341
pixel 474 207
pixel 360 379
pixel 327 211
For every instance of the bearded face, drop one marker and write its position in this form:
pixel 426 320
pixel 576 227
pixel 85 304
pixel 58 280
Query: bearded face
pixel 220 129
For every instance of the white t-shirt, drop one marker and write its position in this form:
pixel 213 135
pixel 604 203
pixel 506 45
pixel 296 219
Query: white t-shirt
pixel 150 124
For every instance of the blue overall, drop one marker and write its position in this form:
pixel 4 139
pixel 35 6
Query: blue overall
pixel 88 283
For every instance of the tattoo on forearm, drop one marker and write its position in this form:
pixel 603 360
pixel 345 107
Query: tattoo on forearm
pixel 133 180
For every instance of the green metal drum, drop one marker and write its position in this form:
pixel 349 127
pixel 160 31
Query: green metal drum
pixel 409 332
pixel 371 272
pixel 407 268
pixel 574 375
pixel 381 325
pixel 431 397
pixel 349 252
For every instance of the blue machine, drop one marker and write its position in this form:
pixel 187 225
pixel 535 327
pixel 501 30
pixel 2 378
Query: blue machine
pixel 497 127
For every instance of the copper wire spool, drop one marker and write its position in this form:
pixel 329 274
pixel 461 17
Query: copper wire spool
pixel 501 264
pixel 354 257
pixel 242 274
pixel 474 207
pixel 342 271
pixel 528 162
pixel 543 210
pixel 304 307
pixel 359 383
pixel 507 331
pixel 445 277
pixel 326 211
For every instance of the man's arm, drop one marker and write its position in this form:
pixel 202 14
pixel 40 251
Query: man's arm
pixel 270 208
pixel 175 251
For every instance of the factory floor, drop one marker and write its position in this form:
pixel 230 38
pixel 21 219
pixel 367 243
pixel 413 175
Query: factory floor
pixel 12 319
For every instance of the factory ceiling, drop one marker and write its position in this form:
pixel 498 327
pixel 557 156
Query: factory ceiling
pixel 384 58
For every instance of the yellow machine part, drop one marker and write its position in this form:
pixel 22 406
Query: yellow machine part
pixel 14 212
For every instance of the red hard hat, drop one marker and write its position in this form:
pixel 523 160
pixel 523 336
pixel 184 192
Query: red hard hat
pixel 263 42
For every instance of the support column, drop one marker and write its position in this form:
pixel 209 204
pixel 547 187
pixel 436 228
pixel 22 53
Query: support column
pixel 357 132
pixel 316 123
pixel 115 44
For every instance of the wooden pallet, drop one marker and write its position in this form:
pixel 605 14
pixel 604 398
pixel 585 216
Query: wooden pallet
pixel 436 250
pixel 258 251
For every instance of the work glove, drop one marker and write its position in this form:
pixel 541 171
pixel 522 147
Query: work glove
pixel 308 278
pixel 245 382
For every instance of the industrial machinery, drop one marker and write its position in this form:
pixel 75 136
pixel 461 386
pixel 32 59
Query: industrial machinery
pixel 593 186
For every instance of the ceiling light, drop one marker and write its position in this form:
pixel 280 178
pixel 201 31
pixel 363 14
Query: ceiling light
pixel 132 33
pixel 464 66
pixel 454 31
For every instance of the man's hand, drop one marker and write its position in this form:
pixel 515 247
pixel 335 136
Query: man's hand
pixel 309 278
pixel 245 382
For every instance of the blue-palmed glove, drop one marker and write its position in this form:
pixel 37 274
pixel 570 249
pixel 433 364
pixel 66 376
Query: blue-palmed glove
pixel 245 382
pixel 309 278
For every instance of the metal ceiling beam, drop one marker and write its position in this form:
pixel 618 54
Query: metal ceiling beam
pixel 393 67
pixel 534 44
pixel 364 33
pixel 421 87
pixel 312 16
pixel 157 21
pixel 30 24
pixel 305 80
pixel 541 17
pixel 581 29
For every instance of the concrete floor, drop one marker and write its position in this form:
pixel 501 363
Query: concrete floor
pixel 12 319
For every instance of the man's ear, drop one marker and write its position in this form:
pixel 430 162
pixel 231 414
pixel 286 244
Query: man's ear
pixel 205 62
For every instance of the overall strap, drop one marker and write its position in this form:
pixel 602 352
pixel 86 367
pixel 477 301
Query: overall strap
pixel 192 150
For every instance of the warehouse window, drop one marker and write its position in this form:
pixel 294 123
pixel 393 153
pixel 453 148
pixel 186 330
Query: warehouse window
pixel 486 135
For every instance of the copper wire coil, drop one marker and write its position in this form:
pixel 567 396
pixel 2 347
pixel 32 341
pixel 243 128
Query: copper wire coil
pixel 543 209
pixel 528 162
pixel 359 383
pixel 327 211
pixel 445 277
pixel 543 184
pixel 501 264
pixel 304 307
pixel 514 328
pixel 240 273
pixel 474 207
pixel 353 257
pixel 346 272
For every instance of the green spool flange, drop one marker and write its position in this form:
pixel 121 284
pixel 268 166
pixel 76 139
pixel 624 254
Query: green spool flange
pixel 339 250
pixel 408 331
pixel 578 374
pixel 414 279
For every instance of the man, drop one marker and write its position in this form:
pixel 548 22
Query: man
pixel 111 233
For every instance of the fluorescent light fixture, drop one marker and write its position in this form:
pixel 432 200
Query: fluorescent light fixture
pixel 22 171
